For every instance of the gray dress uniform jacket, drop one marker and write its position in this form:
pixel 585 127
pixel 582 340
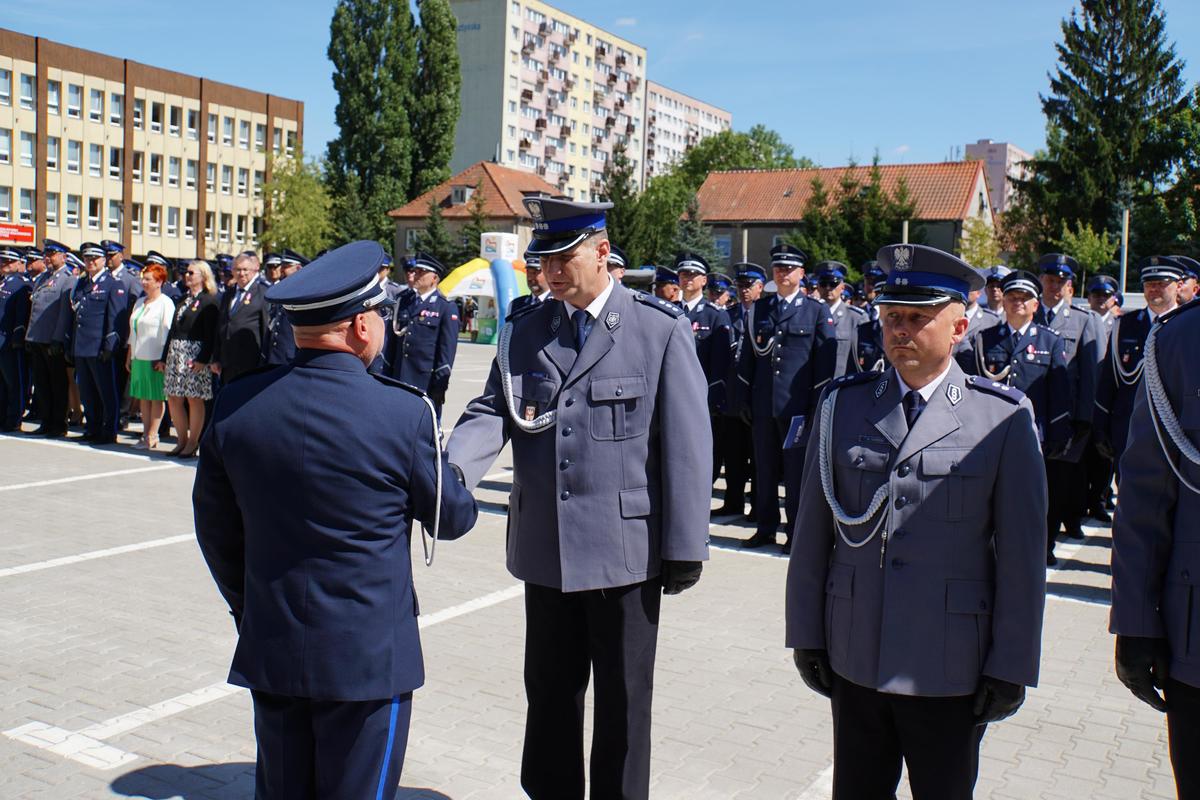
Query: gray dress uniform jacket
pixel 50 310
pixel 846 320
pixel 964 351
pixel 622 480
pixel 1156 532
pixel 956 587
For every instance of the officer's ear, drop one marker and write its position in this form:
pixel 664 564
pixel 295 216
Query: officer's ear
pixel 603 248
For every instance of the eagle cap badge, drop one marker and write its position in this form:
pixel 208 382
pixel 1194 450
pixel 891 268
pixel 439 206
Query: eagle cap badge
pixel 902 258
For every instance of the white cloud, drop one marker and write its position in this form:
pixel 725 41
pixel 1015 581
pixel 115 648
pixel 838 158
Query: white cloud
pixel 902 149
pixel 626 22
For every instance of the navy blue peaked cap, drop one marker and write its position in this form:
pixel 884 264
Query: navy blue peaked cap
pixel 919 275
pixel 691 262
pixel 1160 268
pixel 750 271
pixel 336 286
pixel 560 225
pixel 666 275
pixel 1058 264
pixel 785 255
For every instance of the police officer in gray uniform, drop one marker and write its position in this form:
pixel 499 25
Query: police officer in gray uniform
pixel 1156 554
pixel 979 318
pixel 831 281
pixel 915 589
pixel 49 317
pixel 598 391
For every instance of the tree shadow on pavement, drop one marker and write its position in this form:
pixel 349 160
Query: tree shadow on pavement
pixel 233 781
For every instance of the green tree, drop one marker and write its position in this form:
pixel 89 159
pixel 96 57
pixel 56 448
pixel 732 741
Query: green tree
pixel 1168 222
pixel 435 95
pixel 1109 142
pixel 759 148
pixel 620 190
pixel 1094 251
pixel 297 207
pixel 436 239
pixel 823 231
pixel 979 246
pixel 693 236
pixel 652 231
pixel 477 225
pixel 373 50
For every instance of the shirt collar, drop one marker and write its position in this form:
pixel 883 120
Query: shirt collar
pixel 596 306
pixel 691 306
pixel 833 308
pixel 1058 308
pixel 544 296
pixel 425 297
pixel 928 389
pixel 791 298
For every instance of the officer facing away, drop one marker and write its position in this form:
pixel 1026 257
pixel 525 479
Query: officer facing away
pixel 319 582
pixel 915 588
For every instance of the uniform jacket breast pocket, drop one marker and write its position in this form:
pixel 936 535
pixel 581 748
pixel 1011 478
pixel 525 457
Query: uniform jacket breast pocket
pixel 619 408
pixel 533 394
pixel 861 469
pixel 956 482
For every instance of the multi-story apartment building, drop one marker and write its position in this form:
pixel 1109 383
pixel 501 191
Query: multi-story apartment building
pixel 675 123
pixel 93 146
pixel 547 92
pixel 1002 162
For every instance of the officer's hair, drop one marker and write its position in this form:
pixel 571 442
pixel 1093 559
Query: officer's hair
pixel 210 283
pixel 248 256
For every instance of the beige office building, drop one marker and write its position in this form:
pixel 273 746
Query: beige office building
pixel 97 147
pixel 1003 164
pixel 675 123
pixel 548 93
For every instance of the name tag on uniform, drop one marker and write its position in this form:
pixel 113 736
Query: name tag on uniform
pixel 795 432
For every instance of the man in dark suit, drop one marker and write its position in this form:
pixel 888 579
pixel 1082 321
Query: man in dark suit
pixel 243 322
pixel 319 582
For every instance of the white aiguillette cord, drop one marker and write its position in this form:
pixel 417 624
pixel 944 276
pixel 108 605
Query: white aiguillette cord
pixel 1162 416
pixel 431 546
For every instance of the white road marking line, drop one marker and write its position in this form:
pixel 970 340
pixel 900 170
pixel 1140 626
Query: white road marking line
pixel 504 473
pixel 821 787
pixel 86 746
pixel 71 444
pixel 37 566
pixel 90 477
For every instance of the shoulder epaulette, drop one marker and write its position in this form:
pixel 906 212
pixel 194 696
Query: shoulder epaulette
pixel 389 381
pixel 852 378
pixel 857 310
pixel 1009 393
pixel 657 302
pixel 1175 312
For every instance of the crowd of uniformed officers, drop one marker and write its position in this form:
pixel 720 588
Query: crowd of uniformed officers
pixel 931 447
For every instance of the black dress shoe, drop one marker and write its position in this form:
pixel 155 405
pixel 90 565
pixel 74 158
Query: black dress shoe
pixel 1075 532
pixel 1051 561
pixel 56 433
pixel 41 430
pixel 758 540
pixel 1100 515
pixel 726 511
pixel 787 546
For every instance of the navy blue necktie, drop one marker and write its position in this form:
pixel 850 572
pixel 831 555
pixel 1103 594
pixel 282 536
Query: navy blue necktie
pixel 914 404
pixel 1049 315
pixel 581 319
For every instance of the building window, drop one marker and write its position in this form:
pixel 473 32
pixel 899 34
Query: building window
pixel 26 211
pixel 139 112
pixel 212 128
pixel 74 154
pixel 241 228
pixel 26 149
pixel 259 180
pixel 210 177
pixel 135 218
pixel 260 137
pixel 189 223
pixel 291 142
pixel 74 100
pixel 210 226
pixel 173 221
pixel 115 157
pixel 116 108
pixel 53 96
pixel 27 93
pixel 243 179
pixel 244 134
pixel 5 145
pixel 6 203
pixel 174 120
pixel 52 208
pixel 72 211
pixel 138 158
pixel 53 152
pixel 155 169
pixel 96 105
pixel 173 165
pixel 227 131
pixel 190 175
pixel 155 219
pixel 226 179
pixel 226 223
pixel 156 117
pixel 114 216
pixel 95 156
pixel 93 221
pixel 6 92
pixel 193 124
pixel 410 238
pixel 277 141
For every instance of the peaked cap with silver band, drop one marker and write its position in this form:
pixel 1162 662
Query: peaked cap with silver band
pixel 91 250
pixel 155 257
pixel 423 260
pixel 1191 267
pixel 534 261
pixel 785 255
pixel 690 262
pixel 1022 281
pixel 918 275
pixel 616 257
pixel 997 273
pixel 272 260
pixel 560 225
pixel 292 257
pixel 1160 268
pixel 11 253
pixel 336 286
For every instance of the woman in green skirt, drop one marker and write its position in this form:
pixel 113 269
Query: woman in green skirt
pixel 149 325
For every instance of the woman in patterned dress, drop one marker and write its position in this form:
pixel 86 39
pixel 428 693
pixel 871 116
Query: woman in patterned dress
pixel 187 378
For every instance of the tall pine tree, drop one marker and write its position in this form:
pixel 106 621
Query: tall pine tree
pixel 1117 84
pixel 435 95
pixel 620 190
pixel 373 49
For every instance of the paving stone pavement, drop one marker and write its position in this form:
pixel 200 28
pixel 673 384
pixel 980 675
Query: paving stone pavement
pixel 113 663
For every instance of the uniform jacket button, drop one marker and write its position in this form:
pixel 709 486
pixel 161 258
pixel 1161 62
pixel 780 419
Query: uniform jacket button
pixel 618 392
pixel 565 496
pixel 566 462
pixel 904 470
pixel 901 502
pixel 567 431
pixel 570 402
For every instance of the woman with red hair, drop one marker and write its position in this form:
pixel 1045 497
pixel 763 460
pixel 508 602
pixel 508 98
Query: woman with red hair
pixel 149 325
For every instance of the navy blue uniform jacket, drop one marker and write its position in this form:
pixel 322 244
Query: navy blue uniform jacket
pixel 318 576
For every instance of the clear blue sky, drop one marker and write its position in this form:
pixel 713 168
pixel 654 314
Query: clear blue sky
pixel 836 79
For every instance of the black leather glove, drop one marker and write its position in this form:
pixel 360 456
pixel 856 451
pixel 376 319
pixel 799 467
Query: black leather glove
pixel 105 356
pixel 458 474
pixel 814 668
pixel 1143 664
pixel 996 700
pixel 438 397
pixel 678 576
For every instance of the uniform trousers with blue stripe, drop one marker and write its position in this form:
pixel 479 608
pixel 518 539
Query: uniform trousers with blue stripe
pixel 14 388
pixel 329 749
pixel 98 392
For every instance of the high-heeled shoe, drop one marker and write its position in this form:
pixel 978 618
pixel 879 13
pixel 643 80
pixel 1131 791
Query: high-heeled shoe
pixel 189 453
pixel 179 448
